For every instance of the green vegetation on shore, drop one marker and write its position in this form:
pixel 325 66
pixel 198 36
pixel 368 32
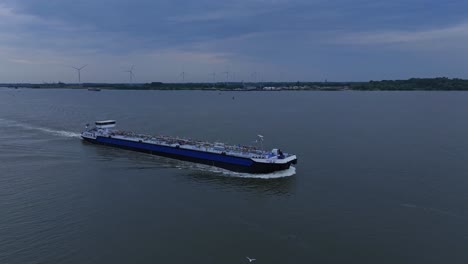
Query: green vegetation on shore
pixel 414 84
pixel 435 84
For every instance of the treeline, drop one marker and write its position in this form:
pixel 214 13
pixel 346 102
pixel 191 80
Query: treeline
pixel 413 84
pixel 193 86
pixel 429 84
pixel 434 84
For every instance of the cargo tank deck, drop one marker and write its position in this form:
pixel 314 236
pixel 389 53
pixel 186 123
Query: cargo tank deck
pixel 217 148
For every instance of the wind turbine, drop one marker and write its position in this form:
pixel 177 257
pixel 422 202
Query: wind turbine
pixel 254 76
pixel 130 72
pixel 233 76
pixel 227 76
pixel 183 75
pixel 79 72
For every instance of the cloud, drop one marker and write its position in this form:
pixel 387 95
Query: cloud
pixel 23 61
pixel 205 17
pixel 402 37
pixel 34 62
pixel 302 39
pixel 9 17
pixel 184 55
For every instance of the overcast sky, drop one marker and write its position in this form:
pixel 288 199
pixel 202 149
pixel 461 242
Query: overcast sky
pixel 304 40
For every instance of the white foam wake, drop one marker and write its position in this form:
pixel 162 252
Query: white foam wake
pixel 62 133
pixel 274 175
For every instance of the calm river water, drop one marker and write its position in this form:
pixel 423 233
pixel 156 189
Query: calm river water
pixel 382 177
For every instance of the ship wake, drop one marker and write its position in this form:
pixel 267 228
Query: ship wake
pixel 62 133
pixel 274 175
pixel 226 173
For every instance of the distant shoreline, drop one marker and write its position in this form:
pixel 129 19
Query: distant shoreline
pixel 414 84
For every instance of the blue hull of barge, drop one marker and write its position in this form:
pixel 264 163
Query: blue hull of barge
pixel 237 164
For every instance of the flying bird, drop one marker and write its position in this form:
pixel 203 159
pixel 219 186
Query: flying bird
pixel 251 259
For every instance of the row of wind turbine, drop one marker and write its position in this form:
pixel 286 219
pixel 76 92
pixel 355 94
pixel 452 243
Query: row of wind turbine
pixel 78 69
pixel 183 74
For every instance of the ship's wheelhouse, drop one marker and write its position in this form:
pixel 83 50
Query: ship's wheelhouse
pixel 105 124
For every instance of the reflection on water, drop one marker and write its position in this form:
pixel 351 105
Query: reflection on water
pixel 278 183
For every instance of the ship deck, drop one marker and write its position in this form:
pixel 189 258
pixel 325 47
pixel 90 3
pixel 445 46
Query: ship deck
pixel 218 148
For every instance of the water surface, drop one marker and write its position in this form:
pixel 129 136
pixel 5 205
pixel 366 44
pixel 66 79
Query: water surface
pixel 381 178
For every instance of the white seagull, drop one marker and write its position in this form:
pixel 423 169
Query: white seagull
pixel 250 260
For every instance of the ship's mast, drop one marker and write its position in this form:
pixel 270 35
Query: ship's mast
pixel 261 141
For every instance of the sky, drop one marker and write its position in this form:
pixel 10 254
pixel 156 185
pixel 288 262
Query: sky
pixel 253 40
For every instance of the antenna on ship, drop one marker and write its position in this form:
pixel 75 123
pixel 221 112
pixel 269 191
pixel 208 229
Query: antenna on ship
pixel 131 74
pixel 261 141
pixel 79 72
